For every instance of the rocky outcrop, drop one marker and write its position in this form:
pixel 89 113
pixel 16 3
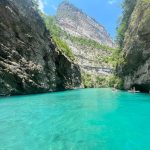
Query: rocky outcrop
pixel 29 60
pixel 136 70
pixel 91 59
pixel 84 36
pixel 77 23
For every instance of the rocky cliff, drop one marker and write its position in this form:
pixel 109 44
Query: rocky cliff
pixel 30 62
pixel 77 23
pixel 136 48
pixel 88 40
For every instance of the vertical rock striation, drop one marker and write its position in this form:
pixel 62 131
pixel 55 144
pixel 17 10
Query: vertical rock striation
pixel 30 62
pixel 85 37
pixel 77 23
pixel 136 70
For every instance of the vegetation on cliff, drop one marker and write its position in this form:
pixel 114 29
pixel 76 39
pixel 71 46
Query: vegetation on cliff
pixel 133 39
pixel 111 59
pixel 127 7
pixel 56 33
pixel 62 45
pixel 92 80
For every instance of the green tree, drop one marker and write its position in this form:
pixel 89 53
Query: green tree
pixel 128 7
pixel 56 34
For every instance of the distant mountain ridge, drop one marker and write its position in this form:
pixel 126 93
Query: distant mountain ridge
pixel 88 44
pixel 78 23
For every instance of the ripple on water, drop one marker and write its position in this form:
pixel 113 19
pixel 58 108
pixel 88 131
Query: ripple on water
pixel 88 119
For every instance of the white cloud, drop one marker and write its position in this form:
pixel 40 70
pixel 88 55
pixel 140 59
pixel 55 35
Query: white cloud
pixel 111 2
pixel 41 5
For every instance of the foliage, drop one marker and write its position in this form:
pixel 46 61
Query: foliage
pixel 51 26
pixel 64 47
pixel 115 81
pixel 56 33
pixel 90 43
pixel 87 80
pixel 36 6
pixel 116 58
pixel 91 80
pixel 128 7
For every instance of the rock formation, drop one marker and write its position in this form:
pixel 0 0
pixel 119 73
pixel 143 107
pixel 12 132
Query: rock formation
pixel 77 23
pixel 136 69
pixel 30 62
pixel 83 36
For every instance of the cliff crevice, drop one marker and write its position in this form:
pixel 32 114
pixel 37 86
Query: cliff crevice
pixel 29 59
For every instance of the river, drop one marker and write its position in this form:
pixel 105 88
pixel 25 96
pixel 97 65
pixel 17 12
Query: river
pixel 85 119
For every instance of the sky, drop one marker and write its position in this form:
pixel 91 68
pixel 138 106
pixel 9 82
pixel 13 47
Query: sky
pixel 106 12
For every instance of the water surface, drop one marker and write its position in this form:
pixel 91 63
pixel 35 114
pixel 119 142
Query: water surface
pixel 88 119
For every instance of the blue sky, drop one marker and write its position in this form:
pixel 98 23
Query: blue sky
pixel 105 12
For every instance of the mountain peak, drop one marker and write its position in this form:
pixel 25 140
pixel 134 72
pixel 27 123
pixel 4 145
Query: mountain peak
pixel 77 23
pixel 65 2
pixel 67 5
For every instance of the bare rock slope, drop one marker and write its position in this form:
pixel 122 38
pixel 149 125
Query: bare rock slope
pixel 74 21
pixel 30 62
pixel 85 37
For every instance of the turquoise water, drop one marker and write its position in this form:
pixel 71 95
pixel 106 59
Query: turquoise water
pixel 90 119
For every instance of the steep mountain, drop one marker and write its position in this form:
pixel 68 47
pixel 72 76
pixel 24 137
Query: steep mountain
pixel 30 61
pixel 77 23
pixel 135 71
pixel 88 40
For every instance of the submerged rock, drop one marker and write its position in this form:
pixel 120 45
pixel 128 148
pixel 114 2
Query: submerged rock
pixel 30 62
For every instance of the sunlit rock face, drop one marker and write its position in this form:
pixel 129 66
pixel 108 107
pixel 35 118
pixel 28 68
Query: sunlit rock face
pixel 136 70
pixel 30 62
pixel 78 23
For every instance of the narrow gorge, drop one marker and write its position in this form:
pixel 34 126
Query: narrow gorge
pixel 72 77
pixel 89 43
pixel 41 53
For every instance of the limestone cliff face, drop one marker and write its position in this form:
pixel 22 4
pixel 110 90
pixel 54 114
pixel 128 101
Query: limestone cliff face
pixel 90 59
pixel 77 23
pixel 29 60
pixel 85 30
pixel 136 70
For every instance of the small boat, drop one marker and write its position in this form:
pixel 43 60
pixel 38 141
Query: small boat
pixel 131 91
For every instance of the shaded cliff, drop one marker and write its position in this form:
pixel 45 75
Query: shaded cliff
pixel 30 62
pixel 136 48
